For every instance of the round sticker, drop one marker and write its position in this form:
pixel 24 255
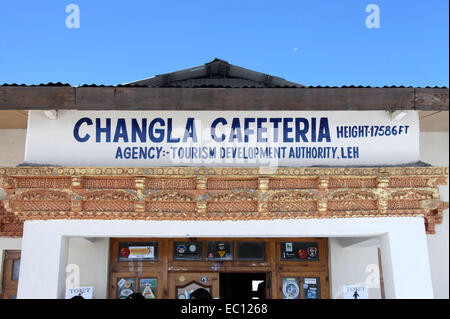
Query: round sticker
pixel 312 251
pixel 181 249
pixel 192 248
pixel 181 296
pixel 125 252
pixel 291 290
pixel 126 292
pixel 302 254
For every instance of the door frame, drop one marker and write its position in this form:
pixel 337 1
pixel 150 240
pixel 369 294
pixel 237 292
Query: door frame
pixel 9 286
pixel 189 277
pixel 273 265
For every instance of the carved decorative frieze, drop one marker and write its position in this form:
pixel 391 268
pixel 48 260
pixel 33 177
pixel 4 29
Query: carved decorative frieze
pixel 352 183
pixel 108 183
pixel 293 183
pixel 10 225
pixel 199 193
pixel 229 184
pixel 171 183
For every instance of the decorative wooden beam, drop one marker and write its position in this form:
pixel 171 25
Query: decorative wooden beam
pixel 10 225
pixel 145 98
pixel 199 193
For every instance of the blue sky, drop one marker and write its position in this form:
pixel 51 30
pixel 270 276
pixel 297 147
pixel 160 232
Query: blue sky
pixel 311 42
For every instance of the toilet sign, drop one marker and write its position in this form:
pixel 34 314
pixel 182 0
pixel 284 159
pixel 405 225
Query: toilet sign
pixel 356 292
pixel 85 292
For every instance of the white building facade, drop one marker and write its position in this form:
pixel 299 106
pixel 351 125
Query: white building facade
pixel 395 255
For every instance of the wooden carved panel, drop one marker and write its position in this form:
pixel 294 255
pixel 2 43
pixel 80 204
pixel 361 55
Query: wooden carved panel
pixel 199 193
pixel 171 183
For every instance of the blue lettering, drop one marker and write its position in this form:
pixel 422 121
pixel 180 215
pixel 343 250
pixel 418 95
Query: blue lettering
pixel 169 133
pixel 140 131
pixel 151 131
pixel 301 132
pixel 76 130
pixel 213 129
pixel 247 130
pixel 190 131
pixel 260 130
pixel 236 130
pixel 324 130
pixel 121 131
pixel 287 130
pixel 99 130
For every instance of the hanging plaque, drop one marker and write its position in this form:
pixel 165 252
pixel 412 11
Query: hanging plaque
pixel 125 287
pixel 291 288
pixel 138 251
pixel 187 250
pixel 300 251
pixel 251 251
pixel 147 287
pixel 311 288
pixel 219 250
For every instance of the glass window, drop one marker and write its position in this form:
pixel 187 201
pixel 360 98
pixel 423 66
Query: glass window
pixel 187 251
pixel 311 288
pixel 291 288
pixel 138 251
pixel 251 251
pixel 219 250
pixel 147 287
pixel 125 287
pixel 16 269
pixel 300 251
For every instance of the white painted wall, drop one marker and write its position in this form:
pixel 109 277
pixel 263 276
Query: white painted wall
pixel 12 150
pixel 401 238
pixel 91 256
pixel 434 149
pixel 347 264
pixel 12 147
pixel 353 265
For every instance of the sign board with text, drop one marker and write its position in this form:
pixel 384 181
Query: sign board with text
pixel 356 292
pixel 213 138
pixel 85 292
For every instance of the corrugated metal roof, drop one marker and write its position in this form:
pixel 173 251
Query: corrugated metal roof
pixel 216 74
pixel 243 84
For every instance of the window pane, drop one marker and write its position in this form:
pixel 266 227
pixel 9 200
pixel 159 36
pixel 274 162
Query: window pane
pixel 311 288
pixel 300 251
pixel 147 287
pixel 219 250
pixel 138 251
pixel 291 288
pixel 125 287
pixel 16 269
pixel 187 251
pixel 251 250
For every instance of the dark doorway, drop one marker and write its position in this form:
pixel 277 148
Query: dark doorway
pixel 243 285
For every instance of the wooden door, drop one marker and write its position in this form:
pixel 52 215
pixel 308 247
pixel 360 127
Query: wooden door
pixel 303 285
pixel 181 285
pixel 11 266
pixel 146 283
